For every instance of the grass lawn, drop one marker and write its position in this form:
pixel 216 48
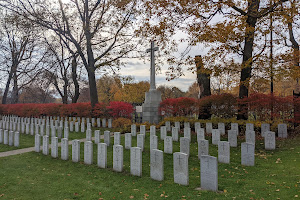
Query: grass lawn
pixel 276 174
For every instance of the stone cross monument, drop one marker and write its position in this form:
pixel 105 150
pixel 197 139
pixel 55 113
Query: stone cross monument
pixel 153 97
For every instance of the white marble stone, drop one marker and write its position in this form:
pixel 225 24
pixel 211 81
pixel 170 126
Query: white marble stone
pixel 117 138
pixel 97 136
pixel 264 128
pixel 185 145
pixel 152 130
pixel 153 142
pixel 270 141
pixel 88 135
pixel 250 137
pixel 109 123
pixel 82 127
pixel 136 161
pixel 64 149
pixel 128 139
pixel 75 150
pixel 232 138
pixel 235 126
pixel 282 131
pixel 209 128
pixel 104 123
pixel 37 143
pixel 175 133
pixel 98 122
pixel 140 141
pixel 224 152
pixel 181 168
pixel 157 164
pixel 215 136
pixel 102 155
pixel 54 147
pixel 209 173
pixel 45 145
pixel 107 138
pixel 203 148
pixel 118 158
pixel 249 127
pixel 247 155
pixel 66 132
pixel 71 126
pixel 143 129
pixel 88 152
pixel 187 125
pixel 177 124
pixel 59 132
pixel 200 134
pixel 168 125
pixel 197 126
pixel 76 127
pixel 11 138
pixel 163 132
pixel 1 136
pixel 17 139
pixel 221 127
pixel 168 145
pixel 187 133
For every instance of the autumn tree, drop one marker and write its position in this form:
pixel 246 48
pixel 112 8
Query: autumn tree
pixel 102 32
pixel 230 28
pixel 168 92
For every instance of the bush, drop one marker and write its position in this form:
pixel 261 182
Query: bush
pixel 118 109
pixel 123 124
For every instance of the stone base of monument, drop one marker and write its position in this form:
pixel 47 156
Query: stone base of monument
pixel 151 106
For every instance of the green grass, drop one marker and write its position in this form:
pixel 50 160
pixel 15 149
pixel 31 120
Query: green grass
pixel 276 174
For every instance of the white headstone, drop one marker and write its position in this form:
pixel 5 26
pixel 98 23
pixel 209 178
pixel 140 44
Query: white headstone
pixel 168 125
pixel 104 123
pixel 17 139
pixel 97 136
pixel 248 154
pixel 117 138
pixel 54 147
pixel 152 130
pixel 181 168
pixel 1 136
pixel 203 146
pixel 221 127
pixel 88 152
pixel 215 136
pixel 187 125
pixel 250 137
pixel 175 133
pixel 107 137
pixel 168 145
pixel 209 173
pixel 76 150
pixel 64 149
pixel 200 134
pixel 270 142
pixel 249 127
pixel 88 135
pixel 264 128
pixel 109 123
pixel 133 130
pixel 197 126
pixel 153 142
pixel 37 143
pixel 102 155
pixel 66 132
pixel 143 129
pixel 11 138
pixel 209 128
pixel 187 133
pixel 128 140
pixel 223 152
pixel 177 124
pixel 235 126
pixel 282 131
pixel 45 145
pixel 185 145
pixel 157 164
pixel 232 138
pixel 140 141
pixel 136 161
pixel 163 132
pixel 98 122
pixel 118 158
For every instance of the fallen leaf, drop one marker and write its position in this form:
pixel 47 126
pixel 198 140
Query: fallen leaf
pixel 131 197
pixel 100 193
pixel 76 194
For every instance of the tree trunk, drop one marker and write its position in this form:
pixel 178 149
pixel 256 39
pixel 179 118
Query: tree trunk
pixel 15 92
pixel 247 58
pixel 4 98
pixel 203 79
pixel 75 81
pixel 92 87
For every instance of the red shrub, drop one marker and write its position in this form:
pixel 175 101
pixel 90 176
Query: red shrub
pixel 120 109
pixel 182 106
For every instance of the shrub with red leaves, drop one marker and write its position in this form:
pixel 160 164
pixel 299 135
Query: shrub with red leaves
pixel 120 109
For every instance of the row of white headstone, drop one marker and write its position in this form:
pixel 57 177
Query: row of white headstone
pixel 282 128
pixel 10 138
pixel 209 170
pixel 42 126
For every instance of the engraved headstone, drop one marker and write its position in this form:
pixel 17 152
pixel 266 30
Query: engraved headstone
pixel 71 126
pixel 168 145
pixel 215 136
pixel 17 139
pixel 54 147
pixel 97 136
pixel 136 161
pixel 197 126
pixel 264 128
pixel 249 127
pixel 66 132
pixel 163 132
pixel 250 137
pixel 187 125
pixel 88 135
pixel 175 133
pixel 153 142
pixel 235 126
pixel 209 128
pixel 200 134
pixel 64 149
pixel 11 138
pixel 187 133
pixel 45 145
pixel 107 137
pixel 118 158
pixel 221 127
pixel 232 138
pixel 152 130
pixel 177 125
pixel 168 125
pixel 76 150
pixel 133 130
pixel 203 146
pixel 156 164
pixel 117 138
pixel 185 145
pixel 143 129
pixel 82 127
pixel 223 152
pixel 1 136
pixel 282 131
pixel 98 122
pixel 37 143
pixel 76 127
pixel 104 123
pixel 128 140
pixel 140 141
pixel 59 132
pixel 270 142
pixel 102 155
pixel 109 123
pixel 181 168
pixel 88 152
pixel 209 173
pixel 248 154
